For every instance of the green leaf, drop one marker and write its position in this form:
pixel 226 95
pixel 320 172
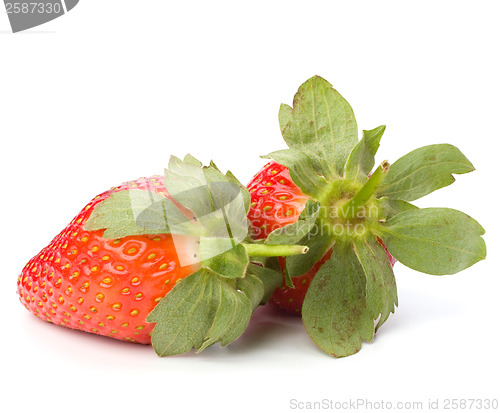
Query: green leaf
pixel 137 212
pixel 320 124
pixel 435 241
pixel 201 310
pixel 229 177
pixel 232 263
pixel 232 317
pixel 301 170
pixel 381 291
pixel 219 202
pixel 335 311
pixel 201 189
pixel 387 207
pixel 424 170
pixel 362 158
pixel 185 315
pixel 293 233
pixel 310 209
pixel 221 191
pixel 192 161
pixel 319 240
pixel 186 166
pixel 253 287
pixel 270 276
pixel 244 191
pixel 186 184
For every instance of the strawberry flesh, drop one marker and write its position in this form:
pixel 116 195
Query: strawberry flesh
pixel 103 286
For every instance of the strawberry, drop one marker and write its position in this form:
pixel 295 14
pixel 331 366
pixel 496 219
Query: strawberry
pixel 275 202
pixel 104 286
pixel 155 261
pixel 324 193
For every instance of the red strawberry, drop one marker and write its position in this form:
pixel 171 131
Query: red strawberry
pixel 275 202
pixel 349 213
pixel 104 286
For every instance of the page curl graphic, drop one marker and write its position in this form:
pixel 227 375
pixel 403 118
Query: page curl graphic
pixel 25 14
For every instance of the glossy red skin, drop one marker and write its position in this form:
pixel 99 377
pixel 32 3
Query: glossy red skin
pixel 275 200
pixel 103 286
pixel 268 212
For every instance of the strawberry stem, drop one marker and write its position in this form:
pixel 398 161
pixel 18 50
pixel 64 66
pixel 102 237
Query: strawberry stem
pixel 264 250
pixel 350 208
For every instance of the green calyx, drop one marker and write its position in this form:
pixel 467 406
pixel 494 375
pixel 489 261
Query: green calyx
pixel 359 201
pixel 214 304
pixel 352 208
pixel 348 210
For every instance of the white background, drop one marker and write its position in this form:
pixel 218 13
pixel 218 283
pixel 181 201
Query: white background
pixel 108 92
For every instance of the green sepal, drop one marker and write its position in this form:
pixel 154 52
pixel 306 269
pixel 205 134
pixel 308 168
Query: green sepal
pixel 351 296
pixel 244 191
pixel 335 311
pixel 435 241
pixel 191 160
pixel 231 264
pixel 229 177
pixel 424 170
pixel 322 125
pixel 219 204
pixel 296 233
pixel 301 171
pixel 387 207
pixel 319 240
pixel 293 233
pixel 381 291
pixel 362 158
pixel 200 311
pixel 288 278
pixel 225 189
pixel 259 283
pixel 273 264
pixel 186 183
pixel 232 317
pixel 253 287
pixel 203 189
pixel 137 212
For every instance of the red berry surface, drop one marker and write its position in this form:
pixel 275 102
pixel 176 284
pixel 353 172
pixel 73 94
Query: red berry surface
pixel 275 200
pixel 103 286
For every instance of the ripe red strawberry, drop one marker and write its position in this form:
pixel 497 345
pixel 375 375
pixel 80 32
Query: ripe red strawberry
pixel 275 202
pixel 104 286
